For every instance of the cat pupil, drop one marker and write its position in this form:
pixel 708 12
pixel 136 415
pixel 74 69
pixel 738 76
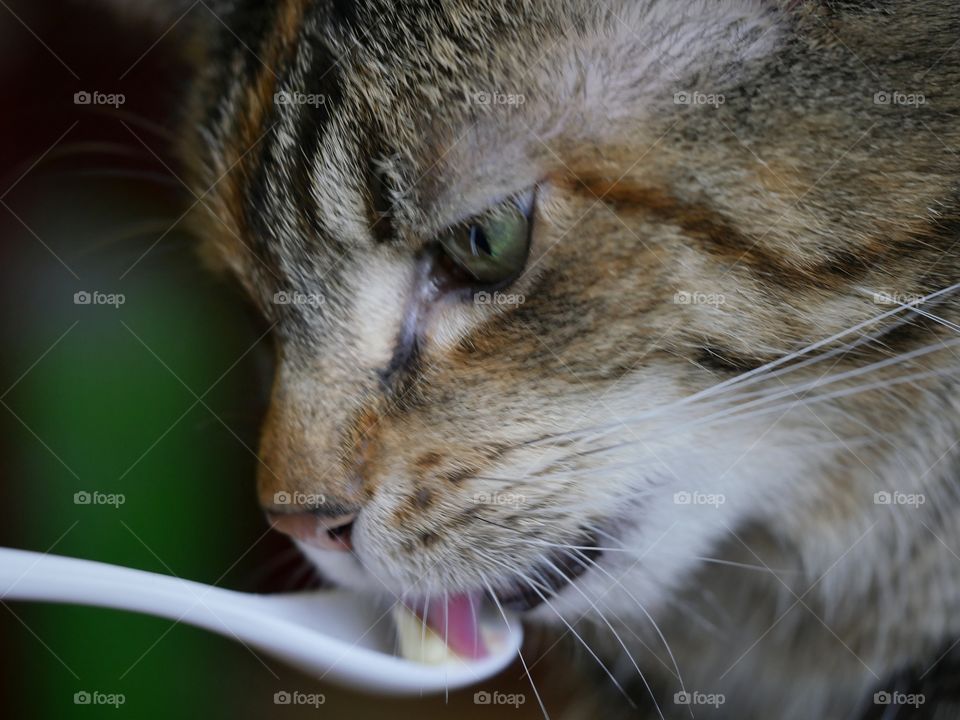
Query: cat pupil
pixel 478 241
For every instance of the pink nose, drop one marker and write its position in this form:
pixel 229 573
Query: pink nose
pixel 324 533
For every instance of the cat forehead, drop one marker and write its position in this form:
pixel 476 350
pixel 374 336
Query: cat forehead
pixel 454 106
pixel 378 118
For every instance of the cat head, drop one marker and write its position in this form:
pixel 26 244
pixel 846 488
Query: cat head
pixel 547 278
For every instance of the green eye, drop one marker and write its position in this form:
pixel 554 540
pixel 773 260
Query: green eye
pixel 492 248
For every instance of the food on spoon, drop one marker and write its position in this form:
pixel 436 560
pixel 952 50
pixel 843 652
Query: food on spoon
pixel 441 631
pixel 418 643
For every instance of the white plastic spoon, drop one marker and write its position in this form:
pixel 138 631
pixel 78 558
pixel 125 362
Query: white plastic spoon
pixel 330 634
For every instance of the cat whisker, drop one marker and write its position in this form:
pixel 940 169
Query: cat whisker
pixel 826 342
pixel 523 662
pixel 663 455
pixel 589 562
pixel 446 635
pixel 123 174
pixel 772 369
pixel 423 623
pixel 634 553
pixel 737 410
pixel 155 129
pixel 606 622
pixel 817 399
pixel 80 148
pixel 765 396
pixel 523 539
pixel 129 232
pixel 533 586
pixel 677 600
pixel 937 318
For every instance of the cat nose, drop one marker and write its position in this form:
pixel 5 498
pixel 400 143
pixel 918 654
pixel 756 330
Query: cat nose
pixel 325 533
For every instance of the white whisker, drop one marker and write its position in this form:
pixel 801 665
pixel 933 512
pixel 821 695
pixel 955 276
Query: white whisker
pixel 577 635
pixel 536 693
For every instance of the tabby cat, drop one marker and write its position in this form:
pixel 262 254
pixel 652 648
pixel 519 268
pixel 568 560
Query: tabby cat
pixel 638 317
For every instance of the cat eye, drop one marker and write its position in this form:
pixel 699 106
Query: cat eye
pixel 491 249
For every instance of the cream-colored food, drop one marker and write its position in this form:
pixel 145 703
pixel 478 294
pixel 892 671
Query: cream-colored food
pixel 418 642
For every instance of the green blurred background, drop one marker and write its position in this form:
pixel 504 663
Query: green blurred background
pixel 156 400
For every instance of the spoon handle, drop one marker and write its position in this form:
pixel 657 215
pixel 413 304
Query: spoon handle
pixel 26 575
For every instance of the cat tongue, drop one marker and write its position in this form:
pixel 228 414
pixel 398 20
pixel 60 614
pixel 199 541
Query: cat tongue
pixel 454 618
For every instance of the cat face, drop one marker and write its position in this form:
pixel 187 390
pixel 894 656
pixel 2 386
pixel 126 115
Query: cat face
pixel 685 209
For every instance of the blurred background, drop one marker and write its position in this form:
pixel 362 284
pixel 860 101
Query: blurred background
pixel 132 384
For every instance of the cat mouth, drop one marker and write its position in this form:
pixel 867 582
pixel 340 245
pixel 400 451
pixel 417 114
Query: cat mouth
pixel 454 621
pixel 547 578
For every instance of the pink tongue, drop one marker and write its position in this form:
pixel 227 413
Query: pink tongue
pixel 454 619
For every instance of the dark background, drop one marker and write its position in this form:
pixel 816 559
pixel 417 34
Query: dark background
pixel 102 399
